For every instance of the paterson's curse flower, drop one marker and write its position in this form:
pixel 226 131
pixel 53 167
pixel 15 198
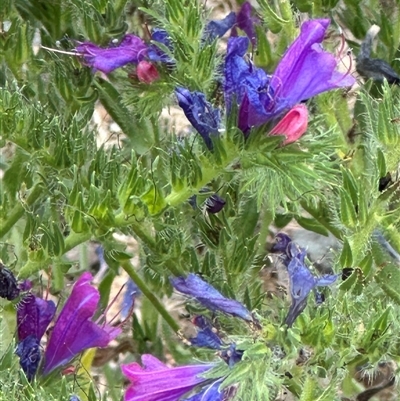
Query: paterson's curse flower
pixel 209 297
pixel 304 71
pixel 132 49
pixel 155 381
pixel 201 114
pixel 73 332
pixel 301 280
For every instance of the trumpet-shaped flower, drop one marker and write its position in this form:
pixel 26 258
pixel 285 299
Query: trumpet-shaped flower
pixel 304 71
pixel 155 381
pixel 74 330
pixel 209 297
pixel 132 49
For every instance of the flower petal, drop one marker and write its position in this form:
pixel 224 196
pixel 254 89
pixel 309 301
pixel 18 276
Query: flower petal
pixel 209 297
pixel 33 316
pixel 132 49
pixel 201 114
pixel 74 331
pixel 305 69
pixel 29 355
pixel 217 28
pixel 293 125
pixel 155 381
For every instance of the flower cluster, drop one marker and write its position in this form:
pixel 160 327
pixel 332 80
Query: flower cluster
pixel 304 71
pixel 156 381
pixel 73 332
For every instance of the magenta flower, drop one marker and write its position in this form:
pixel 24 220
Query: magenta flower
pixel 209 297
pixel 155 381
pixel 304 71
pixel 74 330
pixel 132 49
pixel 33 316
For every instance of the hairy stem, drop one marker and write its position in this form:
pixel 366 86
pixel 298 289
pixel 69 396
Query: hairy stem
pixel 19 209
pixel 127 266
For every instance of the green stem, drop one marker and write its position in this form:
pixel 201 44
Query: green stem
pixel 32 266
pixel 127 266
pixel 19 209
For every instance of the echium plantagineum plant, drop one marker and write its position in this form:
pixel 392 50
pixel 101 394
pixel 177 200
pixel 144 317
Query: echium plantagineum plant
pixel 249 189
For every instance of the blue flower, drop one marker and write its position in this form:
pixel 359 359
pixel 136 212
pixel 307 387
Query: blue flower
pixel 206 337
pixel 245 21
pixel 302 282
pixel 155 53
pixel 201 114
pixel 209 393
pixel 28 351
pixel 209 297
pixel 217 28
pixel 304 71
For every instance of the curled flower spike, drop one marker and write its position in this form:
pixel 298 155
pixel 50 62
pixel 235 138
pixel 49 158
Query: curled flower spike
pixel 132 49
pixel 304 71
pixel 209 297
pixel 8 284
pixel 155 381
pixel 293 125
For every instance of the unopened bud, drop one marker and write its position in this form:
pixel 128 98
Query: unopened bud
pixel 147 72
pixel 293 125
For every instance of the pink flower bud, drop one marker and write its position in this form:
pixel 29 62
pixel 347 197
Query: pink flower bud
pixel 147 72
pixel 293 125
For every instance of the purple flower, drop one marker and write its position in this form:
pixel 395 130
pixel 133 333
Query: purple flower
pixel 155 53
pixel 304 71
pixel 245 21
pixel 217 28
pixel 155 381
pixel 209 297
pixel 33 316
pixel 132 49
pixel 28 351
pixel 214 204
pixel 74 330
pixel 204 118
pixel 301 283
pixel 206 337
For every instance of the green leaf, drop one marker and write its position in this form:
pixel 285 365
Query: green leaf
pixel 138 132
pixel 312 225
